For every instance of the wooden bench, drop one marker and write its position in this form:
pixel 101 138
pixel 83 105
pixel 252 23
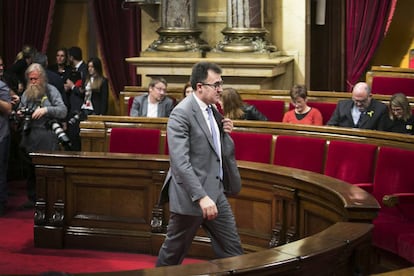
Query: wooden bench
pixel 388 80
pixel 325 101
pixel 353 155
pixel 105 201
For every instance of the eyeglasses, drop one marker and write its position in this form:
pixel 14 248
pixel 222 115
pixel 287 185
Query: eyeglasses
pixel 160 89
pixel 215 85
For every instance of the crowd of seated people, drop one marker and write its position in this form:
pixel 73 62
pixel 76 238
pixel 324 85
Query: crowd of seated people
pixel 361 111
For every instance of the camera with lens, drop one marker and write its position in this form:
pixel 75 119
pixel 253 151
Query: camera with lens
pixel 61 135
pixel 13 118
pixel 77 117
pixel 27 118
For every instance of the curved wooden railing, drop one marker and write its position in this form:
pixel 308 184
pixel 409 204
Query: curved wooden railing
pixel 105 201
pixel 95 132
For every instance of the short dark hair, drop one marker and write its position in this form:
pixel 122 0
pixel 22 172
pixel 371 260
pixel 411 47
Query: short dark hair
pixel 298 90
pixel 200 72
pixel 40 58
pixel 156 80
pixel 75 52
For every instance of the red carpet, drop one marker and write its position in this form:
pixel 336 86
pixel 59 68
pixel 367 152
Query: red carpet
pixel 19 256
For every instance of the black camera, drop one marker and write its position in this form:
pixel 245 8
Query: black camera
pixel 13 118
pixel 27 118
pixel 60 134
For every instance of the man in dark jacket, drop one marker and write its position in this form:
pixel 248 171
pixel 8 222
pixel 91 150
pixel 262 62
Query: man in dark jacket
pixel 362 111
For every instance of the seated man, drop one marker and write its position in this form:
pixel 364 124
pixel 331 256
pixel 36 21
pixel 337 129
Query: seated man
pixel 155 103
pixel 359 112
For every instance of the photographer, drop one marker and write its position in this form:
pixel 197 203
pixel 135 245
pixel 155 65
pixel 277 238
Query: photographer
pixel 40 104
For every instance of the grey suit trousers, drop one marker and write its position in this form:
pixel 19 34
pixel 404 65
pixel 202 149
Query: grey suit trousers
pixel 182 229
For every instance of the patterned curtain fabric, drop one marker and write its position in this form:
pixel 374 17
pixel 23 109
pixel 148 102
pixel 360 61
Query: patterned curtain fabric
pixel 367 23
pixel 119 36
pixel 26 22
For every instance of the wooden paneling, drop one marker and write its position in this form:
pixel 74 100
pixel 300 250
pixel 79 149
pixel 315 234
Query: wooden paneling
pixel 104 201
pixel 110 198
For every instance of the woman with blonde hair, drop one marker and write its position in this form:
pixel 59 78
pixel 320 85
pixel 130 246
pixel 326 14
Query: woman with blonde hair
pixel 235 109
pixel 399 117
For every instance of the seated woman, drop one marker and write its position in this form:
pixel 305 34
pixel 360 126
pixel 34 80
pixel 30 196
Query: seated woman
pixel 187 89
pixel 234 108
pixel 399 117
pixel 302 113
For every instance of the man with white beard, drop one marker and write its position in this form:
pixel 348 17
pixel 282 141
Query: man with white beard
pixel 41 104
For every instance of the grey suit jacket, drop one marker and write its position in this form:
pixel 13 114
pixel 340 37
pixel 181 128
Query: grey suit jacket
pixel 194 164
pixel 369 119
pixel 139 106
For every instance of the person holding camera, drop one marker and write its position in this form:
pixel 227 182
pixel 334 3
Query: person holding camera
pixel 40 106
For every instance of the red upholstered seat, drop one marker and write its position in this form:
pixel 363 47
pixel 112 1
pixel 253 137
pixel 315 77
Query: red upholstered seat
pixel 392 85
pixel 255 147
pixel 394 175
pixel 351 162
pixel 135 140
pixel 300 152
pixel 272 109
pixel 406 246
pixel 326 109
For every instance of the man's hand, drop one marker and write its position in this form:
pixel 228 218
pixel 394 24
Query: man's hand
pixel 209 208
pixel 69 85
pixel 15 99
pixel 227 125
pixel 39 112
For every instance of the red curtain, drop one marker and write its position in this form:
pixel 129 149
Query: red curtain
pixel 119 35
pixel 26 22
pixel 367 23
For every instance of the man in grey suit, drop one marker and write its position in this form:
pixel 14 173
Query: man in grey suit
pixel 202 172
pixel 155 103
pixel 359 112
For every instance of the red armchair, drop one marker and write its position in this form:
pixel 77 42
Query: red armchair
pixel 352 162
pixel 394 189
pixel 273 110
pixel 299 152
pixel 255 147
pixel 135 140
pixel 392 85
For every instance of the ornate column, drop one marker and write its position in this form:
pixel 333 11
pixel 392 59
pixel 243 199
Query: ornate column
pixel 245 30
pixel 178 31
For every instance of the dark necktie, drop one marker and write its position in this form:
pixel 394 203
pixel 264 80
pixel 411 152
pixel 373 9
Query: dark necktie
pixel 214 136
pixel 361 116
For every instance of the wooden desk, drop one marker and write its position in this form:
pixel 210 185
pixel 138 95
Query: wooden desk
pixel 105 201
